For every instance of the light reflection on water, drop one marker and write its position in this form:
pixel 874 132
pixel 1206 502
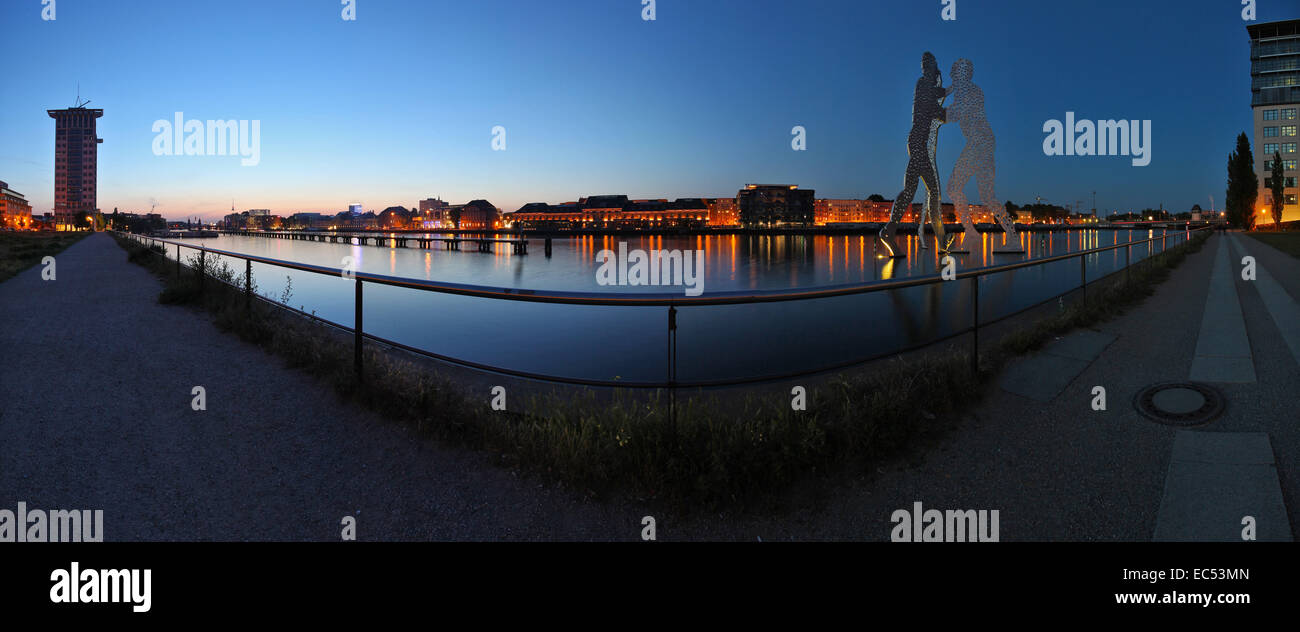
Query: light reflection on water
pixel 714 342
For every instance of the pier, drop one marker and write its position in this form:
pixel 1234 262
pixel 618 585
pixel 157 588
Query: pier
pixel 482 244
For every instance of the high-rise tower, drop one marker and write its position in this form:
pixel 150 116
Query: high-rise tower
pixel 76 152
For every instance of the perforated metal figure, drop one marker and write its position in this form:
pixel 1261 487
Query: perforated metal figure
pixel 967 110
pixel 922 142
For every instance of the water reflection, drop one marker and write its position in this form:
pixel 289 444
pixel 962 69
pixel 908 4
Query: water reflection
pixel 714 342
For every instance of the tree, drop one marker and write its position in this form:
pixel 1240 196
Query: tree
pixel 876 197
pixel 1275 187
pixel 1243 185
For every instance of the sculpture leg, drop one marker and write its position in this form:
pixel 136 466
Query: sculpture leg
pixel 984 178
pixel 956 186
pixel 901 202
pixel 933 208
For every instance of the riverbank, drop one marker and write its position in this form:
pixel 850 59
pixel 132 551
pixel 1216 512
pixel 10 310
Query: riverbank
pixel 703 449
pixel 279 455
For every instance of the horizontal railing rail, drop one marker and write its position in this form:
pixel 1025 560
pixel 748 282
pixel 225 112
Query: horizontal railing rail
pixel 665 300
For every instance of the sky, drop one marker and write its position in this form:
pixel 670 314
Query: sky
pixel 400 104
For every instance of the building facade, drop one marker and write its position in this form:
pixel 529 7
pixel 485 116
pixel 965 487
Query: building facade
pixel 476 215
pixel 1274 102
pixel 613 212
pixel 432 213
pixel 771 205
pixel 15 210
pixel 76 155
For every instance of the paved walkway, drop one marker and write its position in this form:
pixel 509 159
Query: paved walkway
pixel 1057 469
pixel 95 414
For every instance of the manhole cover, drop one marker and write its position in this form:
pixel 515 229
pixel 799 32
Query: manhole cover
pixel 1179 403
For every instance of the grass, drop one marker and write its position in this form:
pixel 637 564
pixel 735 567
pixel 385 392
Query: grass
pixel 710 453
pixel 22 250
pixel 1286 241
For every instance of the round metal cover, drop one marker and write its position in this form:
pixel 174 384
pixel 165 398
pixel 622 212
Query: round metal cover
pixel 1179 403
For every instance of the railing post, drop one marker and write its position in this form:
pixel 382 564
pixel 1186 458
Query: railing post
pixel 356 339
pixel 1127 250
pixel 178 262
pixel 203 268
pixel 672 367
pixel 975 325
pixel 1083 277
pixel 248 285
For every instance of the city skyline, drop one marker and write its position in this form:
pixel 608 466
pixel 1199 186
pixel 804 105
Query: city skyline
pixel 386 111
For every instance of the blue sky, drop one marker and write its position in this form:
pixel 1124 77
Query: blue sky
pixel 399 105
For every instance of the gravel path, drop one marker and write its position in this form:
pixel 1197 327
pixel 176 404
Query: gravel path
pixel 95 414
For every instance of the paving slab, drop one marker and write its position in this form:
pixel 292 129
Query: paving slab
pixel 1042 376
pixel 1215 480
pixel 1282 307
pixel 1222 346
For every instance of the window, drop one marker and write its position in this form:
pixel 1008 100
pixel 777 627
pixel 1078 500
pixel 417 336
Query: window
pixel 1288 130
pixel 1288 148
pixel 1289 114
pixel 1268 165
pixel 1288 199
pixel 1270 149
pixel 1270 132
pixel 1289 165
pixel 1288 183
pixel 1270 115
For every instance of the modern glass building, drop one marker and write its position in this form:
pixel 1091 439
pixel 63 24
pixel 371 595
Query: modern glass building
pixel 1274 101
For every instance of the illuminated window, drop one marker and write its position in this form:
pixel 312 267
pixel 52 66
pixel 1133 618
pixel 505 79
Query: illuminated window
pixel 1288 130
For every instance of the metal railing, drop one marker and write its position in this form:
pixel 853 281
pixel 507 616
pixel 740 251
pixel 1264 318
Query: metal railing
pixel 671 301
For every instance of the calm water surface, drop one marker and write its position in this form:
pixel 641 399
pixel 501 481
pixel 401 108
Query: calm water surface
pixel 714 342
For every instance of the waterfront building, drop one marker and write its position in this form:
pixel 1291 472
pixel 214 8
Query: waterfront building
pixel 395 218
pixel 1274 101
pixel 15 210
pixel 476 215
pixel 773 205
pixel 432 213
pixel 723 211
pixel 613 212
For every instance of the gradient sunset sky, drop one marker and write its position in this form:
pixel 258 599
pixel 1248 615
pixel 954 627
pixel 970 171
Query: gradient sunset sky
pixel 399 105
